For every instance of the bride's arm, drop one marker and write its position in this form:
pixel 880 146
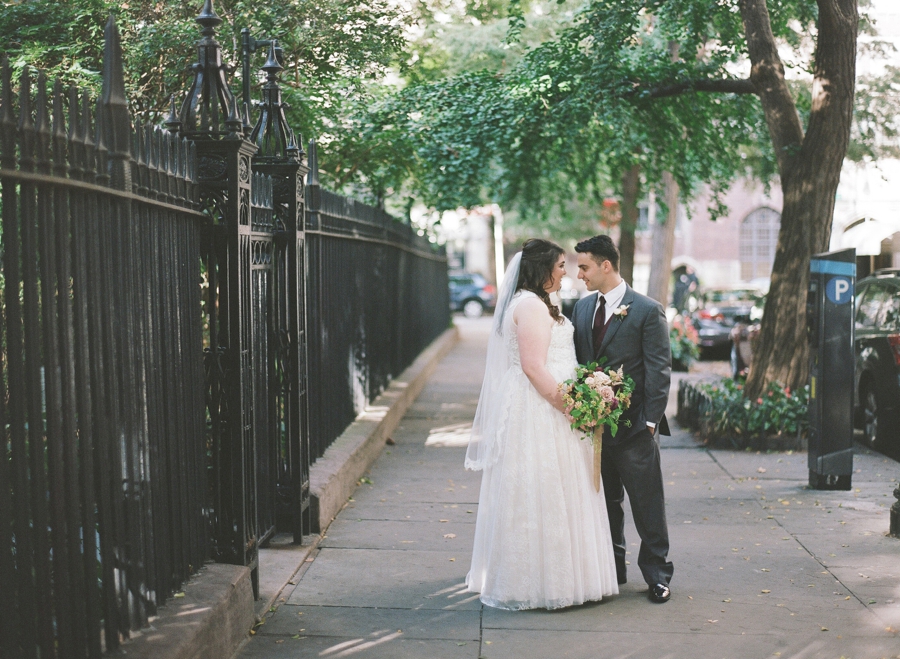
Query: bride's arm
pixel 533 325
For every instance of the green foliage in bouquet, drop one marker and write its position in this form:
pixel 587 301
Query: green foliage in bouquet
pixel 597 396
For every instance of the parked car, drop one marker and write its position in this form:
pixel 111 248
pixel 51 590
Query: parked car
pixel 719 309
pixel 877 344
pixel 471 294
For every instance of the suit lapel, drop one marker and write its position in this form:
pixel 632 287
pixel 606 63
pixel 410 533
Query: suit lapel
pixel 615 322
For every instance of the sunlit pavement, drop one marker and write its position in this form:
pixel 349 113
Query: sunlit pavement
pixel 764 566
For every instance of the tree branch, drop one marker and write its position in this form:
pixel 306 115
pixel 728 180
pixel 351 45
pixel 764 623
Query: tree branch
pixel 767 74
pixel 725 86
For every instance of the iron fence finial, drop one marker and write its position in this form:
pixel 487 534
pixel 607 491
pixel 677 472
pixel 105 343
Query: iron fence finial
pixel 173 123
pixel 210 109
pixel 272 134
pixel 208 19
pixel 115 109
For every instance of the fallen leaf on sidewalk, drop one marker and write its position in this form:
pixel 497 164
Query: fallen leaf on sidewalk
pixel 443 520
pixel 449 535
pixel 765 591
pixel 712 621
pixel 761 470
pixel 390 442
pixel 824 629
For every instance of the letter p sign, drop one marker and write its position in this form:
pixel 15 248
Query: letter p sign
pixel 839 290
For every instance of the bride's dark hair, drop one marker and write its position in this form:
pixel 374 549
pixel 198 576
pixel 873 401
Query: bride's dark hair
pixel 538 259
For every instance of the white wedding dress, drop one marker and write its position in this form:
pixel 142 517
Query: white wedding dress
pixel 542 535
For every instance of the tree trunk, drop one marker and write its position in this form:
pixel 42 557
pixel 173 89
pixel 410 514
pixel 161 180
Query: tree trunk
pixel 810 168
pixel 631 193
pixel 664 245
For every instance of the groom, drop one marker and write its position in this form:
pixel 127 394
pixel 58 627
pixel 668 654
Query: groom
pixel 630 330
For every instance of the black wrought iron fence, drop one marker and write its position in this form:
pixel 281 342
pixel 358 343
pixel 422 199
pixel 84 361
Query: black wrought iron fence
pixel 101 497
pixel 187 323
pixel 377 295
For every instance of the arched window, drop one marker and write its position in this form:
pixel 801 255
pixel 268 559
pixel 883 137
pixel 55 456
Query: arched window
pixel 759 237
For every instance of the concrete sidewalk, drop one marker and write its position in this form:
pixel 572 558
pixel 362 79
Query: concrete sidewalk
pixel 764 567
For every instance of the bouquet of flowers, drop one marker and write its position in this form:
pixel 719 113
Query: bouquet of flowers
pixel 597 397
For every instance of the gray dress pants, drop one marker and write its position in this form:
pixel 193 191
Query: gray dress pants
pixel 633 466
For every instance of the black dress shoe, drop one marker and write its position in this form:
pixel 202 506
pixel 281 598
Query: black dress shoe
pixel 621 578
pixel 660 593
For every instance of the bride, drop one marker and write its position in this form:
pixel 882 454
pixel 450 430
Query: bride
pixel 542 536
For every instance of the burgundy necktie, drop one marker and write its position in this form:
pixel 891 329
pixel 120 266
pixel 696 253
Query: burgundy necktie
pixel 600 324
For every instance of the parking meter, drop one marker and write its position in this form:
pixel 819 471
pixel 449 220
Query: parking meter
pixel 829 316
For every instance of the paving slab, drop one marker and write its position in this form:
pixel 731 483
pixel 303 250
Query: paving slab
pixel 388 645
pixel 693 644
pixel 391 578
pixel 347 533
pixel 373 509
pixel 339 621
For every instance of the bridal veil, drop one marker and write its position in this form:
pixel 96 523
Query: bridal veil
pixel 490 414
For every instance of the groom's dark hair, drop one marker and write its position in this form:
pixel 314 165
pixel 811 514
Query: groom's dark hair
pixel 601 248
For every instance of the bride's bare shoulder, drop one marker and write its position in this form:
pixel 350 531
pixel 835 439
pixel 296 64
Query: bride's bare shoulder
pixel 531 309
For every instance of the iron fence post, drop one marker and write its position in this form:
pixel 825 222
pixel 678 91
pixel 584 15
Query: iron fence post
pixel 210 118
pixel 280 156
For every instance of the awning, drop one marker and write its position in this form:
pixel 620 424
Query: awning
pixel 866 235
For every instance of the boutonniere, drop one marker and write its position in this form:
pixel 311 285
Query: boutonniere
pixel 622 311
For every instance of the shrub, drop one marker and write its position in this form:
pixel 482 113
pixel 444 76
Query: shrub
pixel 779 412
pixel 684 342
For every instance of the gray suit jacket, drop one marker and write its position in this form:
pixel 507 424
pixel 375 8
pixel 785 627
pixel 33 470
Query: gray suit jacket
pixel 639 343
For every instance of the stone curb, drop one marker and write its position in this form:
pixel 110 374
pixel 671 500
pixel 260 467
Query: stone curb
pixel 333 477
pixel 209 621
pixel 217 610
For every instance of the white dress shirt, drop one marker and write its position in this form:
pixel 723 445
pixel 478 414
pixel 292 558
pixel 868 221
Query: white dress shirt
pixel 613 300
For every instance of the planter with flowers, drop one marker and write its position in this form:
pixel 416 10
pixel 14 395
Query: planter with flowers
pixel 719 411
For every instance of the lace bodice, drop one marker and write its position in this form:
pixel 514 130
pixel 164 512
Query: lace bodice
pixel 561 359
